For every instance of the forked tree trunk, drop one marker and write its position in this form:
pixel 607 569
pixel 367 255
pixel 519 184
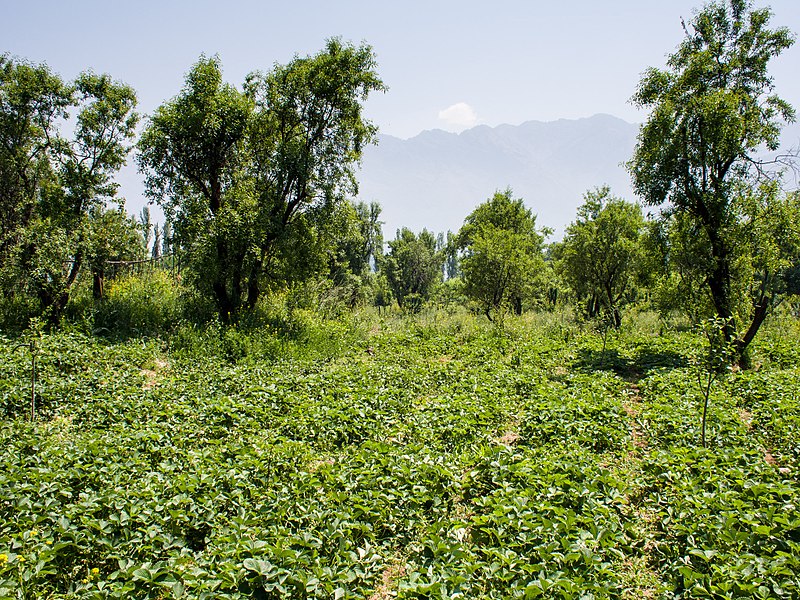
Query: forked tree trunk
pixel 59 302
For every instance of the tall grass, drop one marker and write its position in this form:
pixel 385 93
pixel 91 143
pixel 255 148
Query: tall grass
pixel 146 304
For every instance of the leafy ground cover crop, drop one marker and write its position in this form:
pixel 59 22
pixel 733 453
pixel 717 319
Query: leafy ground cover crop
pixel 425 458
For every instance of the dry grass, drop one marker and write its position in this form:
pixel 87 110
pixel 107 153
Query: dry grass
pixel 151 373
pixel 640 581
pixel 632 405
pixel 388 586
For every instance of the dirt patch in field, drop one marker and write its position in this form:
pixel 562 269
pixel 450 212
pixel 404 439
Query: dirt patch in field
pixel 151 374
pixel 316 465
pixel 772 461
pixel 509 438
pixel 746 417
pixel 640 580
pixel 389 578
pixel 510 435
pixel 632 406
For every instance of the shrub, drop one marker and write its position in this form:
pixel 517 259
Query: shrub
pixel 148 303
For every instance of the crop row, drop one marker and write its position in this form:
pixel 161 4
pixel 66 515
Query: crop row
pixel 425 462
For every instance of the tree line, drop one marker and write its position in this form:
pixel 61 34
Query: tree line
pixel 256 183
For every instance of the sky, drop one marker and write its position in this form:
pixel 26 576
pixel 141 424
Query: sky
pixel 447 64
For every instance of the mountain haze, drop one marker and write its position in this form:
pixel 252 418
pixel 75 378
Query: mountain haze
pixel 436 178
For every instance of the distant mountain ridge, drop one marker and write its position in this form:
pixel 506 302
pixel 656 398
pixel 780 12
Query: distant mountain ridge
pixel 436 178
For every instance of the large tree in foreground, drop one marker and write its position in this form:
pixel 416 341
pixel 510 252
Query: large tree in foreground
pixel 712 112
pixel 192 155
pixel 250 179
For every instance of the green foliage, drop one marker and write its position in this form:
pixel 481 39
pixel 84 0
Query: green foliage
pixel 711 111
pixel 711 363
pixel 253 181
pixel 304 450
pixel 136 305
pixel 434 456
pixel 112 237
pixel 56 186
pixel 673 251
pixel 412 267
pixel 502 255
pixel 359 249
pixel 601 255
pixel 587 413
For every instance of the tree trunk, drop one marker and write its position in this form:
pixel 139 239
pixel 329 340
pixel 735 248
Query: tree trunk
pixel 253 288
pixel 59 302
pixel 223 302
pixel 516 302
pixel 760 311
pixel 98 283
pixel 613 310
pixel 227 272
pixel 719 282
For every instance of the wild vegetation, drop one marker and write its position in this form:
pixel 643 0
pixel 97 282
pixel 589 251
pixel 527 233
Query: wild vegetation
pixel 259 398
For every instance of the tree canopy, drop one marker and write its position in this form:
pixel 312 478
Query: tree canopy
pixel 55 184
pixel 249 178
pixel 412 267
pixel 601 252
pixel 712 109
pixel 502 254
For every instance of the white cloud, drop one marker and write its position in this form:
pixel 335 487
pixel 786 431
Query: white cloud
pixel 459 116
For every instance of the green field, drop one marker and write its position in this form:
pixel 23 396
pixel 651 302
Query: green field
pixel 419 457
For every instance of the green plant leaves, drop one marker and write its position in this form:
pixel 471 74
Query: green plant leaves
pixel 447 462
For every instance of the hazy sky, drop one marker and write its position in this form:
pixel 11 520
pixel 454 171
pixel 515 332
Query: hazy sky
pixel 448 64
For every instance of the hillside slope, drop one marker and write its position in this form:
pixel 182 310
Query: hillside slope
pixel 436 178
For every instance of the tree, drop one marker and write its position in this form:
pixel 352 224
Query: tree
pixel 105 125
pixel 32 102
pixel 248 177
pixel 360 246
pixel 51 183
pixel 191 153
pixel 451 266
pixel 601 252
pixel 502 254
pixel 155 253
pixel 166 238
pixel 711 111
pixel 308 135
pixel 358 249
pixel 412 267
pixel 146 224
pixel 768 249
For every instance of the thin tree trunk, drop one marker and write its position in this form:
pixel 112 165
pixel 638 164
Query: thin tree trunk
pixel 719 284
pixel 253 288
pixel 59 303
pixel 98 283
pixel 222 301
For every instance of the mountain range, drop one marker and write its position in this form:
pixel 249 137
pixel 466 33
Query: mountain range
pixel 435 179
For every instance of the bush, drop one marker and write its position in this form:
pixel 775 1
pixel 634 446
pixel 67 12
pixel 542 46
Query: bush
pixel 149 303
pixel 16 311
